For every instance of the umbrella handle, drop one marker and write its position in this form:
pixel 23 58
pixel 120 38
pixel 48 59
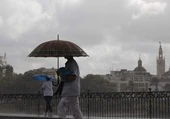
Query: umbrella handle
pixel 58 82
pixel 58 79
pixel 54 84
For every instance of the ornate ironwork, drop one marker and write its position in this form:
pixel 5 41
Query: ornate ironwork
pixel 161 94
pixel 96 104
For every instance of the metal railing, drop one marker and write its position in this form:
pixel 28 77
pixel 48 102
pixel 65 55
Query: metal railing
pixel 107 105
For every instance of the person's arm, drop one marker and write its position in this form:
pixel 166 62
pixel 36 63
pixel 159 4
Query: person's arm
pixel 59 89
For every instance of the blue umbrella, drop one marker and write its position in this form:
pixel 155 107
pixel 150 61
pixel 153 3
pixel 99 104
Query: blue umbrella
pixel 43 77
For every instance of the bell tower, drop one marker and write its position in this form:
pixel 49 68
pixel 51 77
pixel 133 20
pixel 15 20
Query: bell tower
pixel 160 61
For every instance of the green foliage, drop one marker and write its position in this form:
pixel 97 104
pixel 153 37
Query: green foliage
pixel 96 83
pixel 20 83
pixel 167 87
pixel 23 83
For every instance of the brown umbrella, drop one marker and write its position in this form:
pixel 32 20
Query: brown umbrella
pixel 57 48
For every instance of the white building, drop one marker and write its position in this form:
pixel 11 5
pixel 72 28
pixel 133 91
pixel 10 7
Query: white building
pixel 132 80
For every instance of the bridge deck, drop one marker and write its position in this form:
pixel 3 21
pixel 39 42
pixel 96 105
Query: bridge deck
pixel 24 116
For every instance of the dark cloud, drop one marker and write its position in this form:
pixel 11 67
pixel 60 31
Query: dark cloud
pixel 114 33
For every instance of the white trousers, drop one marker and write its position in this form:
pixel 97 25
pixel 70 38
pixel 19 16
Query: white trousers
pixel 73 102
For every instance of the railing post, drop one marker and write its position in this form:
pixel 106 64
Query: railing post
pixel 38 109
pixel 150 104
pixel 88 109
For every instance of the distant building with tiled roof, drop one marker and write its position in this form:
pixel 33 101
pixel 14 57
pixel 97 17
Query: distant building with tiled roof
pixel 140 68
pixel 131 80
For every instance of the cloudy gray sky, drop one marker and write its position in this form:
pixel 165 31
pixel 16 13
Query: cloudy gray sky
pixel 114 33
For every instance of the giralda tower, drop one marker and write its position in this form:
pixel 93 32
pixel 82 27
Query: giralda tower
pixel 160 62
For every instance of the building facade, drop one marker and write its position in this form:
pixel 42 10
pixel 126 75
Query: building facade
pixel 132 80
pixel 141 80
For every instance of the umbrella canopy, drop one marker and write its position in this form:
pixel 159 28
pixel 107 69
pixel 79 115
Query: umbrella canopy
pixel 57 48
pixel 43 77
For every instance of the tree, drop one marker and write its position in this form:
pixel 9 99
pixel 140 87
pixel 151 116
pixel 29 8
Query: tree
pixel 167 87
pixel 1 72
pixel 9 72
pixel 97 83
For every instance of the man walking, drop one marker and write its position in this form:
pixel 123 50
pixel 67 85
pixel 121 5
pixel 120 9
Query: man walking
pixel 71 91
